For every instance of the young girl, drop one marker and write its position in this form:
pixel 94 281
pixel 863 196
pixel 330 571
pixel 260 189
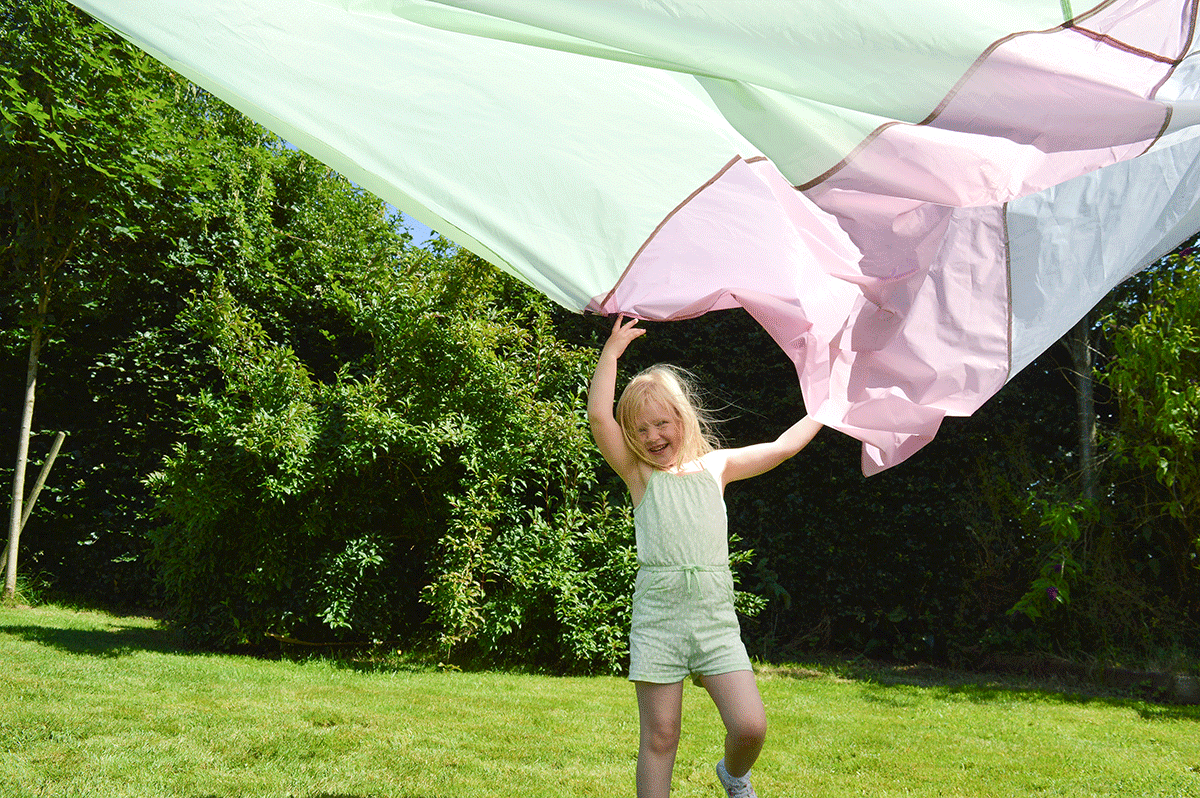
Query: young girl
pixel 683 617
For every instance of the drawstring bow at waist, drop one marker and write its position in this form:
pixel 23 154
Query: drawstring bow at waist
pixel 690 573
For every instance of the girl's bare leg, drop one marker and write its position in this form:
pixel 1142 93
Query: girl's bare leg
pixel 660 710
pixel 741 707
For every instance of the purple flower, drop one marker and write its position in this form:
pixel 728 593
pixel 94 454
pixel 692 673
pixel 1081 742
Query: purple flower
pixel 1052 592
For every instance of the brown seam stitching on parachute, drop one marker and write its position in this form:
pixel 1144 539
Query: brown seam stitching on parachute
pixel 1187 45
pixel 1161 130
pixel 1071 24
pixel 1008 285
pixel 1117 44
pixel 663 223
pixel 1174 62
pixel 941 106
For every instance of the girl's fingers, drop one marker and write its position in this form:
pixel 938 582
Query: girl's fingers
pixel 625 330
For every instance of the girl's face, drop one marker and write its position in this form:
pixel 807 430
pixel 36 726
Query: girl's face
pixel 660 434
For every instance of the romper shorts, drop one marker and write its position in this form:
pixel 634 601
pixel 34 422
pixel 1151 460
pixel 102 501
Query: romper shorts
pixel 684 624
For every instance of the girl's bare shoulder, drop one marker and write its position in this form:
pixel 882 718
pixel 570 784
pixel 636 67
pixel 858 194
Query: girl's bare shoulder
pixel 714 462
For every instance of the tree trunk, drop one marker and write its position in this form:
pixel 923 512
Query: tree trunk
pixel 18 491
pixel 1079 344
pixel 37 488
pixel 41 480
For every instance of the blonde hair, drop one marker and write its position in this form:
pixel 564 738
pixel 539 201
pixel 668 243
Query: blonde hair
pixel 675 389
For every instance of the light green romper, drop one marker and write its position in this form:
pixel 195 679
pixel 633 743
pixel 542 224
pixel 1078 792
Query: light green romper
pixel 683 617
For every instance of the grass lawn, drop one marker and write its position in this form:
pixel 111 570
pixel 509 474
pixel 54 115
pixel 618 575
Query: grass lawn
pixel 99 705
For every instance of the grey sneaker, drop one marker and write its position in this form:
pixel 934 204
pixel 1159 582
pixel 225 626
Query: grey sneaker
pixel 735 787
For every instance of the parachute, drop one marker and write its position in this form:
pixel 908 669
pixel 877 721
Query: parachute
pixel 913 198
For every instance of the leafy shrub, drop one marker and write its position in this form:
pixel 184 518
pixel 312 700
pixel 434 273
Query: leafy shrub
pixel 447 476
pixel 560 583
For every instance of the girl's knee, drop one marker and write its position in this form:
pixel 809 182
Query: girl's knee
pixel 661 738
pixel 749 731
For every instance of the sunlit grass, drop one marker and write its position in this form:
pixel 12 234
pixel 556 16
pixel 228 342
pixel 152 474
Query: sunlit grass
pixel 98 705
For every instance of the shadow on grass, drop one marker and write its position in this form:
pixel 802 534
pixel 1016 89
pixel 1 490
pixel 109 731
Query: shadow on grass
pixel 897 686
pixel 116 641
pixel 118 638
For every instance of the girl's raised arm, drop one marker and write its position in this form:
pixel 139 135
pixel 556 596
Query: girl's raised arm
pixel 750 461
pixel 606 432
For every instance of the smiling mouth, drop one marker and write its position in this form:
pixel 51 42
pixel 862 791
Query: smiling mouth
pixel 656 449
